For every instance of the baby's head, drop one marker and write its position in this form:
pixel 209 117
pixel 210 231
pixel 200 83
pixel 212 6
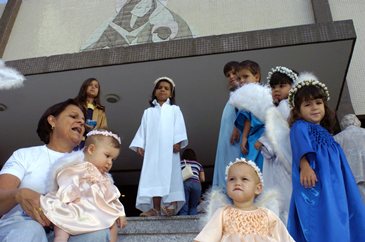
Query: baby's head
pixel 101 149
pixel 281 79
pixel 244 181
pixel 230 72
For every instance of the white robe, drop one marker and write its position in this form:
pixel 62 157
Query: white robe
pixel 161 127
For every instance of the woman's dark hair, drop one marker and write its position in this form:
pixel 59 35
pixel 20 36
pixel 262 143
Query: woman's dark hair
pixel 44 129
pixel 230 66
pixel 280 78
pixel 153 96
pixel 308 93
pixel 82 96
pixel 252 66
pixel 188 154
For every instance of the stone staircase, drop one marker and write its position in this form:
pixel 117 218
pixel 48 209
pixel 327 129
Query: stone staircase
pixel 160 229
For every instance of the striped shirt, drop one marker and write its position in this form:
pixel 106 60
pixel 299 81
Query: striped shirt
pixel 195 166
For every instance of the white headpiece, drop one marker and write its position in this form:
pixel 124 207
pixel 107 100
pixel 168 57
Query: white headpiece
pixel 306 79
pixel 282 69
pixel 105 133
pixel 165 78
pixel 248 162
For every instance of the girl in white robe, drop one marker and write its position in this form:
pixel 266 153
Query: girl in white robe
pixel 160 137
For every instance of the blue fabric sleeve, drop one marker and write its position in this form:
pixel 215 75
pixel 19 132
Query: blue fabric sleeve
pixel 241 118
pixel 301 143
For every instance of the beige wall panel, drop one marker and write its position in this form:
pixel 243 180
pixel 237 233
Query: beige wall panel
pixel 355 10
pixel 207 17
pixel 48 27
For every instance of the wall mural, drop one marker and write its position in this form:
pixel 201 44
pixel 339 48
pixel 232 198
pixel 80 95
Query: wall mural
pixel 139 22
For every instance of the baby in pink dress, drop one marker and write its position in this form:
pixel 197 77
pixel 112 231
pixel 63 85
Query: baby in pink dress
pixel 243 221
pixel 83 197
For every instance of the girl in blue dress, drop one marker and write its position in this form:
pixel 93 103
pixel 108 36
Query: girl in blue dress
pixel 326 204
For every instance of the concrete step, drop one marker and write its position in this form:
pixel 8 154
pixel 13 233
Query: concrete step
pixel 160 229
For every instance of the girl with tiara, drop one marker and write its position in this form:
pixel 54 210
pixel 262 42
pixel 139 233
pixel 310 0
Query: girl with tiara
pixel 160 137
pixel 277 163
pixel 326 204
pixel 243 220
pixel 83 197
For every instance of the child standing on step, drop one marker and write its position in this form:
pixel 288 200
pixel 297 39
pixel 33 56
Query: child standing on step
pixel 82 195
pixel 160 137
pixel 244 220
pixel 326 204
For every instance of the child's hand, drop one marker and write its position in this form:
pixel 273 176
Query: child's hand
pixel 122 222
pixel 176 148
pixel 140 151
pixel 308 177
pixel 235 137
pixel 258 145
pixel 244 148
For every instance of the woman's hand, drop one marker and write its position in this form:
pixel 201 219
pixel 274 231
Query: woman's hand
pixel 140 151
pixel 29 201
pixel 176 148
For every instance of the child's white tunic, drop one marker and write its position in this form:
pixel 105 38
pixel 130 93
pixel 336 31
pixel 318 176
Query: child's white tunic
pixel 161 127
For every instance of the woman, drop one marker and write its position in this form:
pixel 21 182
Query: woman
pixel 23 177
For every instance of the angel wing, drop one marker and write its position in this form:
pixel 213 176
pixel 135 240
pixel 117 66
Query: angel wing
pixel 9 77
pixel 277 131
pixel 213 199
pixel 254 98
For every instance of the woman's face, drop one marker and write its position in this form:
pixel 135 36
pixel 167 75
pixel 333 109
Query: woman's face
pixel 68 126
pixel 92 89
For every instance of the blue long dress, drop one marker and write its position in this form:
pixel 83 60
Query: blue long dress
pixel 257 129
pixel 226 152
pixel 333 209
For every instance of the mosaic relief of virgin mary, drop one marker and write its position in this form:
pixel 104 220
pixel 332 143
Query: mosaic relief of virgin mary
pixel 139 22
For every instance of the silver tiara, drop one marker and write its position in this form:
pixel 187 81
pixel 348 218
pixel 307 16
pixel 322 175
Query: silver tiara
pixel 282 69
pixel 105 133
pixel 248 162
pixel 306 79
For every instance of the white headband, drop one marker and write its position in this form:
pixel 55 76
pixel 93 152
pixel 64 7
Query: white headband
pixel 248 162
pixel 306 79
pixel 284 70
pixel 165 78
pixel 105 133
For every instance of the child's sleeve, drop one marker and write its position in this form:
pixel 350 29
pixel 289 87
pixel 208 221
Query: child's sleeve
pixel 180 129
pixel 301 143
pixel 212 231
pixel 140 137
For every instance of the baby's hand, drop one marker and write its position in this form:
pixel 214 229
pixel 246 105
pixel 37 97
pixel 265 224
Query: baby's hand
pixel 122 222
pixel 140 151
pixel 176 147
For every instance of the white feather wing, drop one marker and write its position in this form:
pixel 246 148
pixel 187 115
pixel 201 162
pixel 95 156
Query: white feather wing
pixel 9 77
pixel 254 98
pixel 278 132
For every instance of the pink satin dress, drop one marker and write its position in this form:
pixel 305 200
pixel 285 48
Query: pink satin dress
pixel 85 201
